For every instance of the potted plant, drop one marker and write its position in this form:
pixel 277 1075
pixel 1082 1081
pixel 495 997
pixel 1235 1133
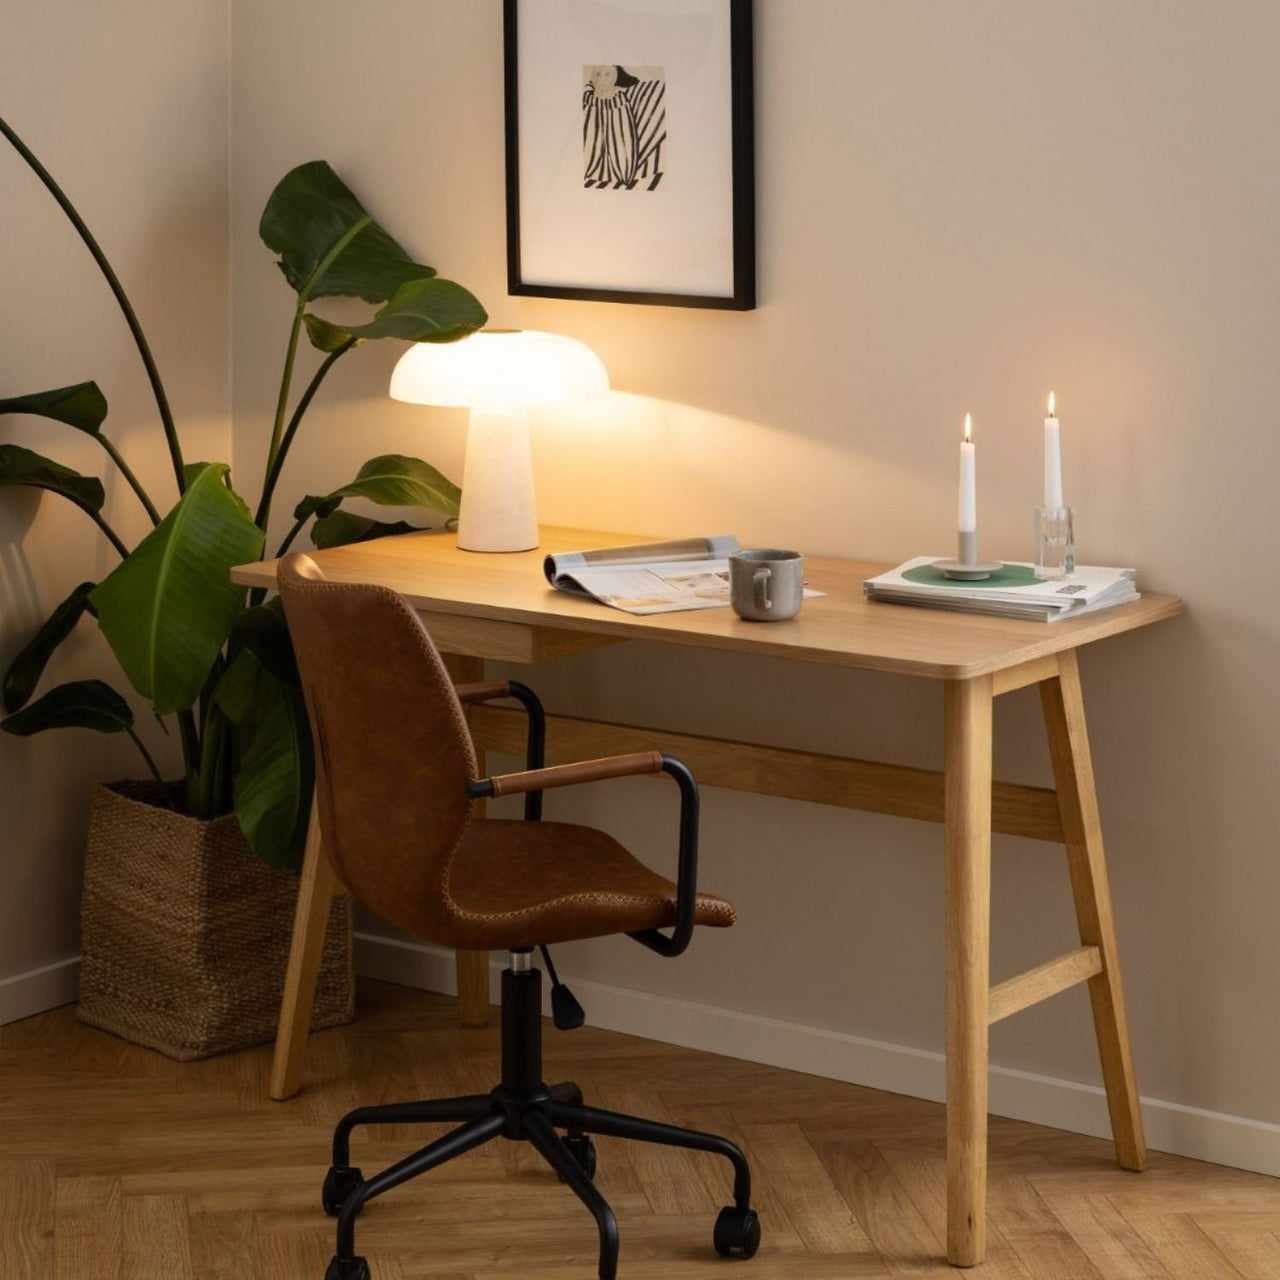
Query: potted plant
pixel 188 897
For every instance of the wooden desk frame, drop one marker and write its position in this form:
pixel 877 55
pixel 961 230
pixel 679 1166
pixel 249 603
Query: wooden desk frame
pixel 480 607
pixel 964 798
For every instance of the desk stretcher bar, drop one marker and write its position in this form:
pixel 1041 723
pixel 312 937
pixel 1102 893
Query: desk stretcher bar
pixel 776 771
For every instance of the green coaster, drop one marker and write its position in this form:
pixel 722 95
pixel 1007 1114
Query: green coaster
pixel 1008 575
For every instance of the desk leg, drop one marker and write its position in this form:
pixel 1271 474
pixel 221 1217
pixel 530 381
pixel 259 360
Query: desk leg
pixel 968 840
pixel 472 967
pixel 1082 828
pixel 311 917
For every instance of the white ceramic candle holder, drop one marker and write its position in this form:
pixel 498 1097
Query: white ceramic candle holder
pixel 966 567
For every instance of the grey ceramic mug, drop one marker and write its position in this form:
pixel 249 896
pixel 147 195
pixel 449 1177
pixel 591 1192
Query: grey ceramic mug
pixel 766 586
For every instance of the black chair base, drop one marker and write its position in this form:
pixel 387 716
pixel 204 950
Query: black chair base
pixel 523 1108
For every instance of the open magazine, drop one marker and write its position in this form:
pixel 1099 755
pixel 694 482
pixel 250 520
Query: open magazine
pixel 654 577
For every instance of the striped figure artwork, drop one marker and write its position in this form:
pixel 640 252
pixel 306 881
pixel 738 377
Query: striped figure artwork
pixel 624 127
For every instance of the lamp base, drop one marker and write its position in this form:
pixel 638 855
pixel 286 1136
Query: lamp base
pixel 498 508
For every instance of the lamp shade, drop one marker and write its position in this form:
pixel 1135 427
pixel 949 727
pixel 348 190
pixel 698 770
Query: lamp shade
pixel 500 369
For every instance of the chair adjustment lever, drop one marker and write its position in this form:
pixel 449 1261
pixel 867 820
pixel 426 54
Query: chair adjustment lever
pixel 566 1012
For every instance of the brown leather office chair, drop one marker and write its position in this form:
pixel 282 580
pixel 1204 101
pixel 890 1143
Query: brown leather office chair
pixel 397 785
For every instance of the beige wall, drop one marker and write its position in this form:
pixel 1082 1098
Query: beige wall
pixel 126 104
pixel 960 206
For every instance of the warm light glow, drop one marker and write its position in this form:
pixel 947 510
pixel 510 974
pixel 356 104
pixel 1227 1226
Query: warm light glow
pixel 968 427
pixel 1051 404
pixel 500 369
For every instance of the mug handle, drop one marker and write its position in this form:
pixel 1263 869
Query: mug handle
pixel 760 584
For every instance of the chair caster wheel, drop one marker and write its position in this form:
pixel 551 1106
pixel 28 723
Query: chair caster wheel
pixel 348 1269
pixel 338 1185
pixel 737 1232
pixel 583 1150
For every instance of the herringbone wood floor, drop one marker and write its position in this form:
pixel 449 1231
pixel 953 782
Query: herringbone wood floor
pixel 116 1164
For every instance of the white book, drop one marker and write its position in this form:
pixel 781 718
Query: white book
pixel 1013 591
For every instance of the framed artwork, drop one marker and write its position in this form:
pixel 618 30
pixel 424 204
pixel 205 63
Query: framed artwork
pixel 630 151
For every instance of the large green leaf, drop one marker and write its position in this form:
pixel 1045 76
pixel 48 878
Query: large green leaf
pixel 265 633
pixel 82 405
pixel 82 704
pixel 432 310
pixel 167 610
pixel 390 480
pixel 273 785
pixel 19 466
pixel 308 213
pixel 26 669
pixel 341 528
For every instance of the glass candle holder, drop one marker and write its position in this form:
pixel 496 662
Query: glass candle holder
pixel 1055 543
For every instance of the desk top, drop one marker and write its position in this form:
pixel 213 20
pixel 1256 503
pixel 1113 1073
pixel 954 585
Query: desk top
pixel 841 629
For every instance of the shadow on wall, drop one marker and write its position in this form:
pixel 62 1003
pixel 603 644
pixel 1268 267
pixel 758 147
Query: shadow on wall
pixel 47 546
pixel 19 589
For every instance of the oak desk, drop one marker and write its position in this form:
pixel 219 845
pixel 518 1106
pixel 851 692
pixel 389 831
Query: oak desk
pixel 499 606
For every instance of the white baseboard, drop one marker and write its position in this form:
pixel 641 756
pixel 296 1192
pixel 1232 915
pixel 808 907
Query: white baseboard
pixel 26 994
pixel 1020 1095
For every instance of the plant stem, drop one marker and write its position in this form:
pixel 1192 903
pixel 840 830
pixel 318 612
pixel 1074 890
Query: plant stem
pixel 282 403
pixel 216 672
pixel 304 296
pixel 293 533
pixel 190 752
pixel 115 455
pixel 219 787
pixel 126 307
pixel 146 755
pixel 204 801
pixel 110 533
pixel 277 463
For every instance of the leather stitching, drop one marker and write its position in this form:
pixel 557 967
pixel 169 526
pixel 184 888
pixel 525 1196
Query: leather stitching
pixel 713 907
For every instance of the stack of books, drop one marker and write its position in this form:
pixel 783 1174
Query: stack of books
pixel 1013 591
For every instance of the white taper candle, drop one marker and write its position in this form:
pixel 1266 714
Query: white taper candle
pixel 968 522
pixel 1052 460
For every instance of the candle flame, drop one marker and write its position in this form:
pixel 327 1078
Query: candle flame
pixel 968 426
pixel 1051 414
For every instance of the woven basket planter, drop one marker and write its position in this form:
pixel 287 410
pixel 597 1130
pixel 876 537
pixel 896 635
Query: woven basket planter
pixel 185 932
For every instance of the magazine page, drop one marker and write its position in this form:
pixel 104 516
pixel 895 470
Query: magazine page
pixel 664 587
pixel 562 569
pixel 653 577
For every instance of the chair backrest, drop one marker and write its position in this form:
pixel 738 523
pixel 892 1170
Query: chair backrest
pixel 393 753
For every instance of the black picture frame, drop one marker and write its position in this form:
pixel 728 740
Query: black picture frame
pixel 742 113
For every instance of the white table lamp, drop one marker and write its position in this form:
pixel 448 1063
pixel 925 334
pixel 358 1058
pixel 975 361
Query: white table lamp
pixel 499 374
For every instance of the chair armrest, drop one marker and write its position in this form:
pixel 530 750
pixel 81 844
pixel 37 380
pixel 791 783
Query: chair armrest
pixel 533 782
pixel 536 748
pixel 483 691
pixel 567 775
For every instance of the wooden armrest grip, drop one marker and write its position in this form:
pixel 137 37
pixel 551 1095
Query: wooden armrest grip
pixel 483 690
pixel 565 775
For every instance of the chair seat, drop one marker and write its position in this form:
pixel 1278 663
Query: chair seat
pixel 518 884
